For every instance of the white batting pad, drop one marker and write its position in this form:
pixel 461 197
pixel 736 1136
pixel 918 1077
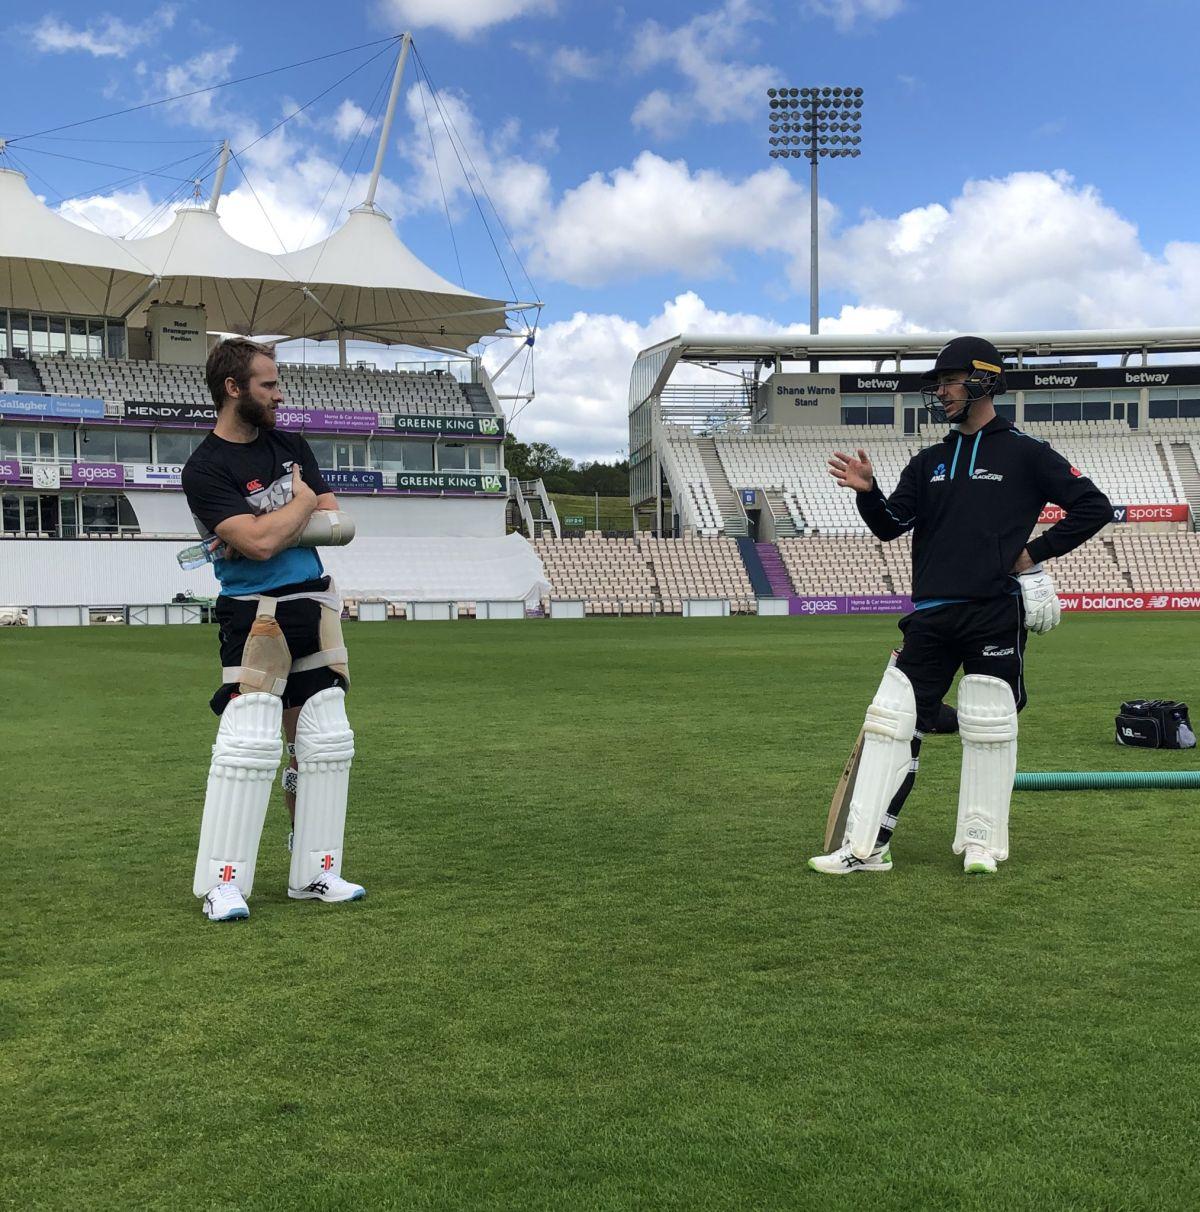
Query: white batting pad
pixel 244 760
pixel 987 724
pixel 886 755
pixel 324 750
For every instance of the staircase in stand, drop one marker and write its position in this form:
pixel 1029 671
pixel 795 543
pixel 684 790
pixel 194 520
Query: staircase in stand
pixel 733 516
pixel 24 372
pixel 777 574
pixel 1189 477
pixel 785 528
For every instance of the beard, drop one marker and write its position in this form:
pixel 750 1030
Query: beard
pixel 250 412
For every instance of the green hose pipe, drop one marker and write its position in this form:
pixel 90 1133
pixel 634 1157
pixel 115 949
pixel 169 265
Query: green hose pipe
pixel 1072 780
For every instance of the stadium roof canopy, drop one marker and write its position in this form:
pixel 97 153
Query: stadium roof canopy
pixel 653 366
pixel 360 283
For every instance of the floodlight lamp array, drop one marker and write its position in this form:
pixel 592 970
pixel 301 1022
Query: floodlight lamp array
pixel 815 122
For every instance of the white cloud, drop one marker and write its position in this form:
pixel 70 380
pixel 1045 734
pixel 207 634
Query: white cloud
pixel 115 214
pixel 462 18
pixel 659 216
pixel 1030 250
pixel 847 14
pixel 105 37
pixel 573 63
pixel 583 366
pixel 717 88
pixel 351 119
pixel 519 187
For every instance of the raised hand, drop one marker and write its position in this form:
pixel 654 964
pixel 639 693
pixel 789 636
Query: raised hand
pixel 852 472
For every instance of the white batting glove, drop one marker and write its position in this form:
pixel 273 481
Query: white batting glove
pixel 1042 609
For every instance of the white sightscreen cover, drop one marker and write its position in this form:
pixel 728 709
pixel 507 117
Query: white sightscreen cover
pixel 162 512
pixel 127 572
pixel 433 570
pixel 95 572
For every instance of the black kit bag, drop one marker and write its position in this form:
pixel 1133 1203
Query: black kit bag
pixel 1155 724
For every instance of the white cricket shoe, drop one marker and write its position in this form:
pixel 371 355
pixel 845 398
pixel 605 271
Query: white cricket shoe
pixel 977 861
pixel 843 862
pixel 328 888
pixel 225 903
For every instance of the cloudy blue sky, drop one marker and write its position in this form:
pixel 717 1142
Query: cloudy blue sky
pixel 1024 165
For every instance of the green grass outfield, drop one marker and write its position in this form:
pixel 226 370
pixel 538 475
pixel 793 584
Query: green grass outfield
pixel 592 971
pixel 615 512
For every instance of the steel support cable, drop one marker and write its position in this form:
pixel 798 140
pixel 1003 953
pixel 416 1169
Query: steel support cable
pixel 450 127
pixel 143 172
pixel 455 140
pixel 368 113
pixel 441 184
pixel 196 92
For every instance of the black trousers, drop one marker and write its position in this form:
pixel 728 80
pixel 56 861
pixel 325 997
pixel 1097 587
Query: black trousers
pixel 981 636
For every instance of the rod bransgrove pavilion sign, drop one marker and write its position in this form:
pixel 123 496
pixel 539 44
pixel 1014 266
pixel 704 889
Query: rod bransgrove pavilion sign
pixel 463 427
pixel 489 482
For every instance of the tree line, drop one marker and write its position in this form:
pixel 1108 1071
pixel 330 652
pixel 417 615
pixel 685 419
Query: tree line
pixel 541 461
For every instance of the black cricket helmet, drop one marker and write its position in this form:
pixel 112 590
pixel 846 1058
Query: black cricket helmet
pixel 984 368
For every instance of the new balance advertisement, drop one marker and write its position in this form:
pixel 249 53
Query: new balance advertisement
pixel 1118 600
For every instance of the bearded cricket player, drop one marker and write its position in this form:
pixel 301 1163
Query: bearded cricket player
pixel 262 507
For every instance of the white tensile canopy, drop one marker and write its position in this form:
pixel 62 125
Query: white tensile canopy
pixel 48 263
pixel 365 276
pixel 361 282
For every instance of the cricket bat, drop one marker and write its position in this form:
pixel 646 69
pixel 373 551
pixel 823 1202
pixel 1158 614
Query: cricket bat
pixel 839 806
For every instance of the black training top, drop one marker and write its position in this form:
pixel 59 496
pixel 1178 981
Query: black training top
pixel 223 479
pixel 972 502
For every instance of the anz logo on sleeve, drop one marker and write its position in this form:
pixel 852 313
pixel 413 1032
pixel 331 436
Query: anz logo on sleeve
pixel 939 474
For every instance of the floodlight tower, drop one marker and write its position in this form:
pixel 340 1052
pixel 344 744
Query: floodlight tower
pixel 814 122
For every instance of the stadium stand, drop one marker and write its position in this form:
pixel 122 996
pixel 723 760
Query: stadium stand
pixel 698 503
pixel 644 575
pixel 610 576
pixel 304 386
pixel 833 565
pixel 1128 467
pixel 1094 566
pixel 699 568
pixel 1159 561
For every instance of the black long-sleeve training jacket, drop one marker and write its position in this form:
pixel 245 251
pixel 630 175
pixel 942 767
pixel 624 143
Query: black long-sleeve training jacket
pixel 972 502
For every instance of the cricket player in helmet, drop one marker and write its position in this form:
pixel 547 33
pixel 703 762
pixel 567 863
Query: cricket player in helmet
pixel 979 586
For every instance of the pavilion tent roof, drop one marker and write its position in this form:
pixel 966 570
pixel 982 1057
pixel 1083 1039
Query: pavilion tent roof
pixel 361 280
pixel 49 264
pixel 368 280
pixel 198 263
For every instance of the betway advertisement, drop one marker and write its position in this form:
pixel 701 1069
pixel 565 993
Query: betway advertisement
pixel 1172 512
